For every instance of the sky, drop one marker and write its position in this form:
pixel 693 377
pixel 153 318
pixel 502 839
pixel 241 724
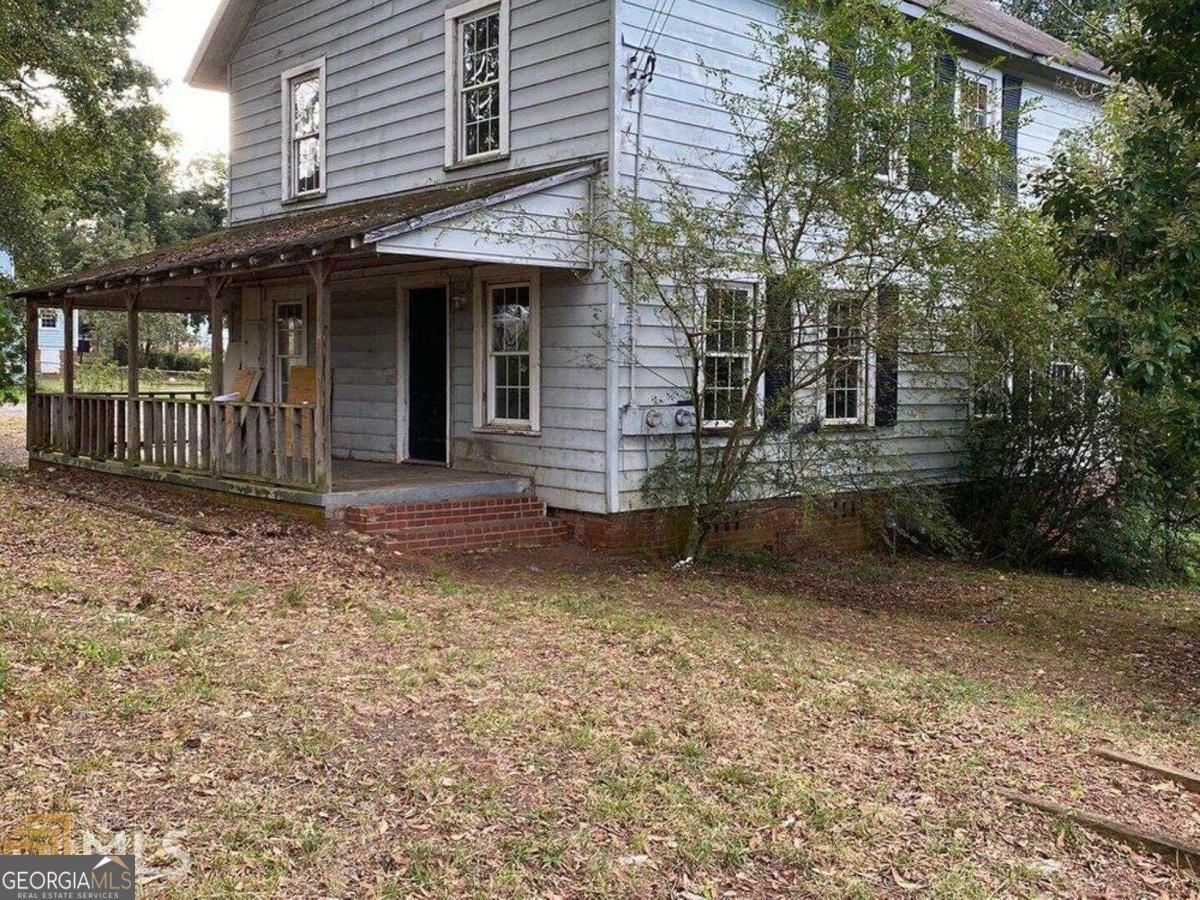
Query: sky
pixel 166 41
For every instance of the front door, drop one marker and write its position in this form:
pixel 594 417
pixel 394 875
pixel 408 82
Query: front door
pixel 427 374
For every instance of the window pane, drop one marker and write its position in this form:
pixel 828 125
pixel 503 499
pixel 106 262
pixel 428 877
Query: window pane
pixel 845 350
pixel 509 347
pixel 308 164
pixel 306 106
pixel 481 110
pixel 729 314
pixel 511 387
pixel 479 83
pixel 976 104
pixel 510 319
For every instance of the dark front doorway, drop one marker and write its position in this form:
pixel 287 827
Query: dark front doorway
pixel 427 374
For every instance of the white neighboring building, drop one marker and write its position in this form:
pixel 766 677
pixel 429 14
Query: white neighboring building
pixel 50 341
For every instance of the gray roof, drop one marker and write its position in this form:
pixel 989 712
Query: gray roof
pixel 308 229
pixel 989 20
pixel 209 68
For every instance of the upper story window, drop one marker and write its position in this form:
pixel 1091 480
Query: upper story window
pixel 304 131
pixel 476 81
pixel 976 101
pixel 48 318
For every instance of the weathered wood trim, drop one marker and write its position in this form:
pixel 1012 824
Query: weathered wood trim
pixel 321 271
pixel 478 205
pixel 133 440
pixel 248 488
pixel 31 366
pixel 216 305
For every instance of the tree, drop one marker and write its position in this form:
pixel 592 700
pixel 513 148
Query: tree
pixel 840 225
pixel 75 113
pixel 1124 205
pixel 163 207
pixel 1081 22
pixel 170 208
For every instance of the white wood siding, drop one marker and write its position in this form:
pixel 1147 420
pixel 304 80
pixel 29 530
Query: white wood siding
pixel 566 460
pixel 538 230
pixel 363 347
pixel 385 76
pixel 685 128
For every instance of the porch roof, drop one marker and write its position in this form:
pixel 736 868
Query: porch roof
pixel 292 238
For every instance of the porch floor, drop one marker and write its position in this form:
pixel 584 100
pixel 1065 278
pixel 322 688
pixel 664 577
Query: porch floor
pixel 355 483
pixel 359 483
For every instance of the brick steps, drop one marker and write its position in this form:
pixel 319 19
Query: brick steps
pixel 483 523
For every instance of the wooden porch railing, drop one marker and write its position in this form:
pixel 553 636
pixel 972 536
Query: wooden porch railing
pixel 272 443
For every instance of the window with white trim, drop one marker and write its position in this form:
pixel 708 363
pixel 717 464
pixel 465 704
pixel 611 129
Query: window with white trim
pixel 976 101
pixel 476 81
pixel 304 131
pixel 510 347
pixel 728 349
pixel 291 344
pixel 48 318
pixel 846 363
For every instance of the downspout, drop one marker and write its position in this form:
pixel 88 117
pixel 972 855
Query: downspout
pixel 612 373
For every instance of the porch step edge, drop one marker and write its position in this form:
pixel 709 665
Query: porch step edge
pixel 486 487
pixel 521 534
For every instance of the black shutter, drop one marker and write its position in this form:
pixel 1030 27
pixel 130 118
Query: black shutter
pixel 841 90
pixel 947 84
pixel 887 357
pixel 779 349
pixel 1010 128
pixel 921 150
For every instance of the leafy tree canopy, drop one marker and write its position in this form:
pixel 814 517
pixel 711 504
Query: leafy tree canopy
pixel 76 117
pixel 1124 204
pixel 1082 22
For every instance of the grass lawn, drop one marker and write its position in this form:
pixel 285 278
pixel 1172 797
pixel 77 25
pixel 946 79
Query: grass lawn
pixel 321 719
pixel 110 379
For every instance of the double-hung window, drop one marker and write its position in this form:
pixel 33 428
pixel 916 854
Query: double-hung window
pixel 48 318
pixel 976 101
pixel 476 81
pixel 846 363
pixel 729 317
pixel 508 344
pixel 304 131
pixel 291 344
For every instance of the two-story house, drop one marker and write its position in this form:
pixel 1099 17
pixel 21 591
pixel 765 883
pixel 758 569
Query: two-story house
pixel 384 348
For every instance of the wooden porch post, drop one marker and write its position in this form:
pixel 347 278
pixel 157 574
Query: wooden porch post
pixel 216 323
pixel 322 272
pixel 133 342
pixel 32 408
pixel 68 376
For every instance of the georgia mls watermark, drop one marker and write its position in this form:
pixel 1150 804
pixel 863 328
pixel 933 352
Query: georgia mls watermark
pixel 41 859
pixel 67 878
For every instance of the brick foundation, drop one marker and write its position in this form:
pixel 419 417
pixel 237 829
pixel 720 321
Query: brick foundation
pixel 794 526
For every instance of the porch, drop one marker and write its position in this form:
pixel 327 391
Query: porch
pixel 188 460
pixel 332 357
